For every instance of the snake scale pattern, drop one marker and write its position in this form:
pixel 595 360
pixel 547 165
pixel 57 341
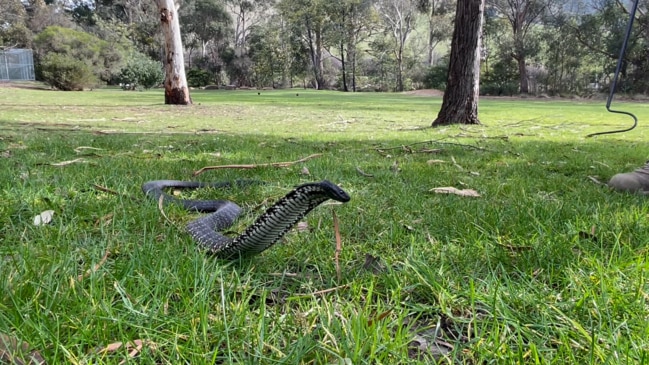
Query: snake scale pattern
pixel 266 230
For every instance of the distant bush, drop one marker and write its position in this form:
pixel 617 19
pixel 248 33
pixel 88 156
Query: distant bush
pixel 84 59
pixel 435 78
pixel 141 71
pixel 493 88
pixel 67 73
pixel 197 77
pixel 502 79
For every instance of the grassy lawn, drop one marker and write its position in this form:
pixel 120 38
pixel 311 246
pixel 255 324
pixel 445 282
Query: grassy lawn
pixel 545 267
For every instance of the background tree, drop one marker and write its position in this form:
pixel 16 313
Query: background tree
pixel 460 103
pixel 278 53
pixel 176 90
pixel 399 17
pixel 310 19
pixel 439 16
pixel 521 16
pixel 354 22
pixel 208 27
pixel 602 32
pixel 14 32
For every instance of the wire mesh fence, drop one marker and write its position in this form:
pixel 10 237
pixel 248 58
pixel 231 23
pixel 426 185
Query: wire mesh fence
pixel 16 64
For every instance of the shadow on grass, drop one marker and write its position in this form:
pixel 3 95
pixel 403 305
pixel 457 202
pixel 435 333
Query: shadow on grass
pixel 520 244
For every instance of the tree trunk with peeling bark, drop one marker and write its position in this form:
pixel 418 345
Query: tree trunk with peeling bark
pixel 176 90
pixel 460 103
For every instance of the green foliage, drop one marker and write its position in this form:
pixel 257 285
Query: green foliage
pixel 207 26
pixel 14 31
pixel 500 79
pixel 64 72
pixel 436 77
pixel 197 77
pixel 141 71
pixel 73 47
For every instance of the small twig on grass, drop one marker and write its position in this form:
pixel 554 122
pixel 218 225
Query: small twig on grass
pixel 412 144
pixel 437 141
pixel 320 292
pixel 253 166
pixel 284 274
pixel 363 173
pixel 339 247
pixel 63 163
pixel 95 268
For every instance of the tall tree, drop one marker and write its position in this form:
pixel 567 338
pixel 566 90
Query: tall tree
pixel 399 17
pixel 310 18
pixel 176 90
pixel 208 22
pixel 460 103
pixel 522 15
pixel 247 14
pixel 439 24
pixel 354 21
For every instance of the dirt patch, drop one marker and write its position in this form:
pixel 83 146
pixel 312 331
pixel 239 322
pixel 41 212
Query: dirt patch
pixel 34 85
pixel 425 92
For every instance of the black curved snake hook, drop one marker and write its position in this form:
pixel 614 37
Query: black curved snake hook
pixel 617 73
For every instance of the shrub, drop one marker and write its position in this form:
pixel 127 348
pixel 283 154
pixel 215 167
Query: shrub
pixel 502 79
pixel 67 73
pixel 436 76
pixel 141 71
pixel 72 48
pixel 197 77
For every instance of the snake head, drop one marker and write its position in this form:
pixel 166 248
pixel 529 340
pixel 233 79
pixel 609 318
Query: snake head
pixel 333 191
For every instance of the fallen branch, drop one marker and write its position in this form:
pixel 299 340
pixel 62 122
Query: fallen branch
pixel 253 166
pixel 409 149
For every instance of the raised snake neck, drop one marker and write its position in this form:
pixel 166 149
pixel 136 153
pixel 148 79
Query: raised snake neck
pixel 265 231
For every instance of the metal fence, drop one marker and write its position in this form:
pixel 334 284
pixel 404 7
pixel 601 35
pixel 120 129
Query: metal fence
pixel 16 64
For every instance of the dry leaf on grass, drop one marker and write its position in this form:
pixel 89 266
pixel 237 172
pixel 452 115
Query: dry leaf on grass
pixel 14 351
pixel 455 191
pixel 373 264
pixel 302 226
pixel 305 171
pixel 434 162
pixel 43 218
pixel 380 317
pixel 133 347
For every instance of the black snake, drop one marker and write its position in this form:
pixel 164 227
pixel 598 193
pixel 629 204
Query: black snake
pixel 263 233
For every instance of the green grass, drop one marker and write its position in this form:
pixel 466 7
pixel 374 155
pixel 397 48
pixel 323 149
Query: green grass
pixel 509 277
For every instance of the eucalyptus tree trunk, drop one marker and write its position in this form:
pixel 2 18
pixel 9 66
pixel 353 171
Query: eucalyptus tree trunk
pixel 176 90
pixel 460 103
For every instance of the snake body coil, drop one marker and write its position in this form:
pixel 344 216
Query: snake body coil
pixel 263 233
